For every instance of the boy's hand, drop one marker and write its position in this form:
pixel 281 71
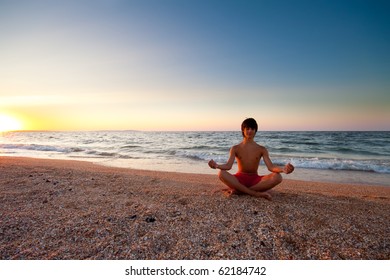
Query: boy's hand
pixel 288 168
pixel 213 164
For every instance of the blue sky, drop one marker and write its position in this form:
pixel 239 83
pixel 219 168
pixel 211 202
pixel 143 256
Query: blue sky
pixel 196 65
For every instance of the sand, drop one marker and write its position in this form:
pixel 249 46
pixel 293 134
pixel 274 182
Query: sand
pixel 60 209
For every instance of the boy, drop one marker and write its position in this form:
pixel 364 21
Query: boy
pixel 248 154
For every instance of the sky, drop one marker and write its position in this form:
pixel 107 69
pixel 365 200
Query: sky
pixel 195 65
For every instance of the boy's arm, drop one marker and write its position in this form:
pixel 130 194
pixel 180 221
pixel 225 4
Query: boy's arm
pixel 228 165
pixel 273 168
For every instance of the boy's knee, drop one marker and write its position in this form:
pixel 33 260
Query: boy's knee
pixel 277 178
pixel 221 174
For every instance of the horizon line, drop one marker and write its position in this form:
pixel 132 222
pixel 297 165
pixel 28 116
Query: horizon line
pixel 138 130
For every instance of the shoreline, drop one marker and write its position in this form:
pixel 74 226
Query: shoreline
pixel 63 209
pixel 349 177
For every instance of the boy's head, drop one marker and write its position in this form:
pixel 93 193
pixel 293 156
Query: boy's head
pixel 251 123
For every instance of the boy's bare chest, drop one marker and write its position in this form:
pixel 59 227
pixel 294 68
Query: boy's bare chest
pixel 248 154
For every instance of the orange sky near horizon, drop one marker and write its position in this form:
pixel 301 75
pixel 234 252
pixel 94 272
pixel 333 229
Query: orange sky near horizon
pixel 101 117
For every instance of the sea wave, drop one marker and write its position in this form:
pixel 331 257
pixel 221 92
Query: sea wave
pixel 35 147
pixel 338 164
pixel 377 166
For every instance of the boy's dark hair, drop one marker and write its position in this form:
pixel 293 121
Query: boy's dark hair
pixel 251 123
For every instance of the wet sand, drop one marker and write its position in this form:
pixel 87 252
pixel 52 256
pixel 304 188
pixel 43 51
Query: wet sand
pixel 60 209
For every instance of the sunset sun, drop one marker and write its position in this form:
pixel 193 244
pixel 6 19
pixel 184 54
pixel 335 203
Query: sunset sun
pixel 8 123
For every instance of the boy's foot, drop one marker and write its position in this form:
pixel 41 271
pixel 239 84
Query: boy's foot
pixel 265 195
pixel 230 192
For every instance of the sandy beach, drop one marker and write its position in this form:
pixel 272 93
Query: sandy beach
pixel 60 209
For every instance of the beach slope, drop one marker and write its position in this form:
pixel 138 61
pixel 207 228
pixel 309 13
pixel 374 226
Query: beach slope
pixel 53 209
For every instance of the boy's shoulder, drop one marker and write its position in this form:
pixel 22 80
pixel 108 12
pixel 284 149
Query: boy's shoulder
pixel 261 148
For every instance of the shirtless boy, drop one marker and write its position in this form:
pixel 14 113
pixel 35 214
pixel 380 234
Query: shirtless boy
pixel 248 154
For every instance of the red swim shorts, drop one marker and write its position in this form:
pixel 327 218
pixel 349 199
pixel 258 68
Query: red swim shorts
pixel 248 179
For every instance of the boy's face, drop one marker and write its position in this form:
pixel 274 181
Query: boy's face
pixel 249 132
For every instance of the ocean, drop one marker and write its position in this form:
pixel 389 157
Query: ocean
pixel 345 157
